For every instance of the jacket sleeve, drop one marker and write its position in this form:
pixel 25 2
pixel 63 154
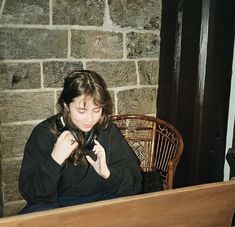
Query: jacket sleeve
pixel 39 173
pixel 125 173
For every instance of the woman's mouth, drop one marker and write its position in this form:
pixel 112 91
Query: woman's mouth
pixel 88 127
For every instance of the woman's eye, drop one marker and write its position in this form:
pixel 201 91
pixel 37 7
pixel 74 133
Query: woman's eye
pixel 97 110
pixel 81 111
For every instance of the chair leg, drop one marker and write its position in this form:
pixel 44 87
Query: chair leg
pixel 170 175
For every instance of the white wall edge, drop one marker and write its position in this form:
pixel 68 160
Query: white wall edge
pixel 231 118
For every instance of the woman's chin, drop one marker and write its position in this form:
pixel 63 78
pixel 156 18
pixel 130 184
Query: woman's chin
pixel 86 129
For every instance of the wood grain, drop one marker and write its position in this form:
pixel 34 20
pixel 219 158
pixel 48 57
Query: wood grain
pixel 203 205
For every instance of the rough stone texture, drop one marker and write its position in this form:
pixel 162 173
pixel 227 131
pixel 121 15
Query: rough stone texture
pixel 148 71
pixel 25 12
pixel 26 106
pixel 145 14
pixel 142 45
pixel 113 99
pixel 13 140
pixel 96 44
pixel 55 72
pixel 12 208
pixel 80 12
pixel 16 43
pixel 140 101
pixel 58 94
pixel 115 74
pixel 10 175
pixel 20 76
pixel 1 193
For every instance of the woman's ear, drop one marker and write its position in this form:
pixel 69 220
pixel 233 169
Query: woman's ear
pixel 66 106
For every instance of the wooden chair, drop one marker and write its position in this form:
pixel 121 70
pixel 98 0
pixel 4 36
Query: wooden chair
pixel 157 144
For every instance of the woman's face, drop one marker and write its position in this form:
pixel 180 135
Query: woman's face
pixel 84 113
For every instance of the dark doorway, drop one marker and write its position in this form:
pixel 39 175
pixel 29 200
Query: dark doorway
pixel 194 82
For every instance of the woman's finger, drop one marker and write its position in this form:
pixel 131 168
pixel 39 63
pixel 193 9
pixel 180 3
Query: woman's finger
pixel 96 142
pixel 90 160
pixel 63 135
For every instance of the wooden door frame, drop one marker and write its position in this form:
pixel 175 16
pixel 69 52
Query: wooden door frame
pixel 192 61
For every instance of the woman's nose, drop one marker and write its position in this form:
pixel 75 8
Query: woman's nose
pixel 89 116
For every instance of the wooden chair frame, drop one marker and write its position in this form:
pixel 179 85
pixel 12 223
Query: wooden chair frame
pixel 157 143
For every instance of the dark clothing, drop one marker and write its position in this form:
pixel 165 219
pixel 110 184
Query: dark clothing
pixel 152 181
pixel 43 180
pixel 64 201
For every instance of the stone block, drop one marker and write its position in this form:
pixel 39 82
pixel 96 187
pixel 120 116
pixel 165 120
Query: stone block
pixel 25 12
pixel 78 12
pixel 32 43
pixel 1 194
pixel 115 74
pixel 112 95
pixel 145 14
pixel 143 45
pixel 13 139
pixel 55 72
pixel 148 71
pixel 13 208
pixel 20 75
pixel 96 44
pixel 10 176
pixel 23 106
pixel 139 101
pixel 58 94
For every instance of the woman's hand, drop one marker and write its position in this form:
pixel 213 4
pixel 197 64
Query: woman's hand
pixel 64 146
pixel 100 164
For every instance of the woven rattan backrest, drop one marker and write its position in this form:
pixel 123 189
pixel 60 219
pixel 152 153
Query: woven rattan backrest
pixel 157 144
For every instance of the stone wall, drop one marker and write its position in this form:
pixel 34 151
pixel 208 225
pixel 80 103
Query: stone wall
pixel 41 41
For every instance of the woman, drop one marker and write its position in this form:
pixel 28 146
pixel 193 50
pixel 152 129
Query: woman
pixel 78 155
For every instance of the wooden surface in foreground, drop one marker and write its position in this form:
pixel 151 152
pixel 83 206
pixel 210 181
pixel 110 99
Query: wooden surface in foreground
pixel 203 205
